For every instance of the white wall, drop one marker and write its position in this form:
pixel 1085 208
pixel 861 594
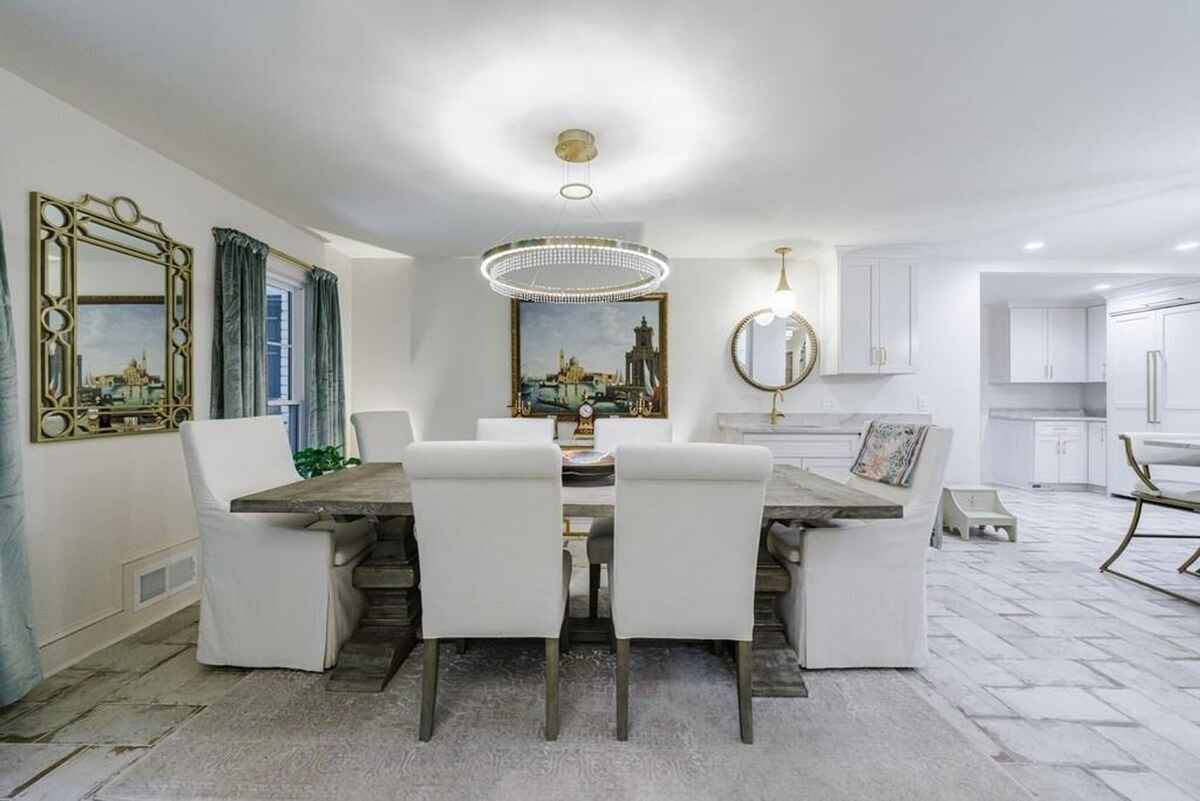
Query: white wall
pixel 96 506
pixel 456 366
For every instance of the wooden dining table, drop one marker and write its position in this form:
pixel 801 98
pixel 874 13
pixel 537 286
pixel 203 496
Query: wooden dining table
pixel 390 575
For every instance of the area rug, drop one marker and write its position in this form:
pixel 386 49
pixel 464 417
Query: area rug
pixel 278 735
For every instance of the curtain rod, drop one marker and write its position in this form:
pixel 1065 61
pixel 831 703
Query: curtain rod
pixel 279 254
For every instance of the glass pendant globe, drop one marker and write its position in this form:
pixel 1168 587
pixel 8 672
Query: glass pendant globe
pixel 783 302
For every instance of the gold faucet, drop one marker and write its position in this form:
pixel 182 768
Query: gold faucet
pixel 776 402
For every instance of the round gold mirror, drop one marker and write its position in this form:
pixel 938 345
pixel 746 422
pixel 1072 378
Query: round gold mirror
pixel 773 353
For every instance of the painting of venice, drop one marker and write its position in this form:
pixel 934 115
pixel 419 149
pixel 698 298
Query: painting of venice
pixel 612 355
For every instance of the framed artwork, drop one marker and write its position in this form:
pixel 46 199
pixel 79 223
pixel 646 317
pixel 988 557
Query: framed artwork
pixel 612 355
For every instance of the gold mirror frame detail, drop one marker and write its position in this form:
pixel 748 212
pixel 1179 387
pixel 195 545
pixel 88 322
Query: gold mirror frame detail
pixel 57 227
pixel 804 325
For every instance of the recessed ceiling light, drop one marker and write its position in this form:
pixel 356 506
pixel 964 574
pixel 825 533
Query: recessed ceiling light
pixel 1185 246
pixel 1102 287
pixel 1035 245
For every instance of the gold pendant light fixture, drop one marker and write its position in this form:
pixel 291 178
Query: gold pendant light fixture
pixel 574 269
pixel 783 302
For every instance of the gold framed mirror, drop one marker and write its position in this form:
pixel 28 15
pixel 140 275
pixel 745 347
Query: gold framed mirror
pixel 773 353
pixel 111 307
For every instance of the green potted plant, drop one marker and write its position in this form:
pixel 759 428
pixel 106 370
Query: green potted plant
pixel 312 462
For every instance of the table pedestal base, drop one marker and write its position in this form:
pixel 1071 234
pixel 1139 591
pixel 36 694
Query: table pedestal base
pixel 388 630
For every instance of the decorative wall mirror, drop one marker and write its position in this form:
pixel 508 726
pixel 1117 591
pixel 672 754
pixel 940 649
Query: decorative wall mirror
pixel 773 353
pixel 111 301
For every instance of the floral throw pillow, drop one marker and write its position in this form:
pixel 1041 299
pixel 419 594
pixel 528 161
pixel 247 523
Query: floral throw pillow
pixel 889 453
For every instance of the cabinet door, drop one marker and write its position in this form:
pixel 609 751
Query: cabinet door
pixel 1073 459
pixel 1066 344
pixel 1045 459
pixel 1097 342
pixel 857 340
pixel 894 310
pixel 1097 458
pixel 1133 335
pixel 1027 338
pixel 1179 380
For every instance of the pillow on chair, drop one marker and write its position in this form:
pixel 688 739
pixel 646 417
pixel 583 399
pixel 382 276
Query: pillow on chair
pixel 889 453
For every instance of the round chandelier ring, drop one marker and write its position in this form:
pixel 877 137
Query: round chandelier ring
pixel 647 267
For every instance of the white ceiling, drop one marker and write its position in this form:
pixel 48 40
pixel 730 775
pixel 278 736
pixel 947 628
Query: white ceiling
pixel 723 128
pixel 1071 289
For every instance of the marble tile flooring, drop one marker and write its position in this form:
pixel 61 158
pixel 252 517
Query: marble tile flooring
pixel 1082 686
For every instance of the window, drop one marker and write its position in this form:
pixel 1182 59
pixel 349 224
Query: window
pixel 285 353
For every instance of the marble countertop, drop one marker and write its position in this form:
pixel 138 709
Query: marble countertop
pixel 811 422
pixel 1049 415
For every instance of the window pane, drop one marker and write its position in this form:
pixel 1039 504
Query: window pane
pixel 279 314
pixel 276 379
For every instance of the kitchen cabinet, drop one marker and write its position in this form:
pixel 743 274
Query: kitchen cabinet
pixel 1029 452
pixel 1097 473
pixel 1060 455
pixel 1153 380
pixel 1040 346
pixel 869 306
pixel 1097 344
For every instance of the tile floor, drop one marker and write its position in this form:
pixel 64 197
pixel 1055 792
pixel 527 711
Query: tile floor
pixel 1083 686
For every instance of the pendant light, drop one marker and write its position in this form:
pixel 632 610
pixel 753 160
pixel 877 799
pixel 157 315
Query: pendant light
pixel 573 269
pixel 783 302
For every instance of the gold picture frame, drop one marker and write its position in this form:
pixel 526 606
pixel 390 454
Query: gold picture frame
pixel 90 302
pixel 609 398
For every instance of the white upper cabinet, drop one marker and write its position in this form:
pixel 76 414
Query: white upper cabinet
pixel 1027 355
pixel 1066 344
pixel 1040 346
pixel 870 316
pixel 1097 344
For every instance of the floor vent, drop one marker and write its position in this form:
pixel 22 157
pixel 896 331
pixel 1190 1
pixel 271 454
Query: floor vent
pixel 163 579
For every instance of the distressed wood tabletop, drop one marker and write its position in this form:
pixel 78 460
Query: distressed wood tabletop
pixel 382 489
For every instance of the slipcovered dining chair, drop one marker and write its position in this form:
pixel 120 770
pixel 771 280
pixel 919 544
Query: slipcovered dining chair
pixel 686 534
pixel 515 429
pixel 382 436
pixel 611 432
pixel 488 522
pixel 277 589
pixel 857 597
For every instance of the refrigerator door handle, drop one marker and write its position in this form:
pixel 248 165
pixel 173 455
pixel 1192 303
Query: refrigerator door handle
pixel 1156 356
pixel 1149 386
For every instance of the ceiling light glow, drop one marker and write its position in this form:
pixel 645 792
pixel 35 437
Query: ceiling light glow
pixel 1102 287
pixel 1035 245
pixel 1183 247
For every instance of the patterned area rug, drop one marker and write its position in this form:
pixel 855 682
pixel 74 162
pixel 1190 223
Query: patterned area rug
pixel 861 735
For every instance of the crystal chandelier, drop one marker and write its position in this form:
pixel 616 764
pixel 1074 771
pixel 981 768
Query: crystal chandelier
pixel 573 269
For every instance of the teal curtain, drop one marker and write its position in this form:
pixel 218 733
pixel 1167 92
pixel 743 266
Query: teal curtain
pixel 239 355
pixel 20 666
pixel 324 387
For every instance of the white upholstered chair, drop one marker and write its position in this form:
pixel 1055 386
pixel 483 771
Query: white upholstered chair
pixel 686 534
pixel 515 429
pixel 611 432
pixel 857 598
pixel 277 589
pixel 488 518
pixel 383 436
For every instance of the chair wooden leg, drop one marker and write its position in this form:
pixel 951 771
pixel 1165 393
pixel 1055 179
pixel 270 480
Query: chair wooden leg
pixel 622 689
pixel 745 660
pixel 593 591
pixel 1133 524
pixel 551 688
pixel 429 690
